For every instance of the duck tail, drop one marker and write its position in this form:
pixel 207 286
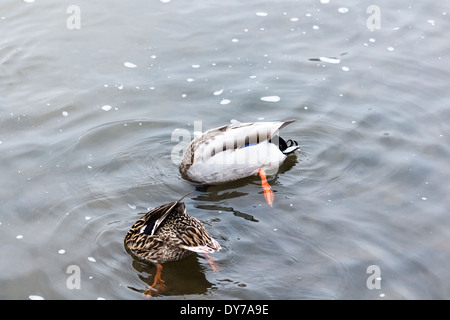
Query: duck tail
pixel 286 147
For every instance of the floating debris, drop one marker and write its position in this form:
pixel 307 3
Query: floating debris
pixel 326 59
pixel 91 259
pixel 271 99
pixel 129 64
pixel 225 101
pixel 218 92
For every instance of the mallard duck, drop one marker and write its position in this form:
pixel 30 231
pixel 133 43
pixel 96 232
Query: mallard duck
pixel 236 151
pixel 167 233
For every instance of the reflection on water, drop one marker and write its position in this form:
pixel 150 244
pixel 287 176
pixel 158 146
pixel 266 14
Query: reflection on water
pixel 184 277
pixel 86 126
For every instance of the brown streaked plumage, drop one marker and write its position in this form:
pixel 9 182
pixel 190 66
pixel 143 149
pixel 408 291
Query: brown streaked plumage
pixel 167 233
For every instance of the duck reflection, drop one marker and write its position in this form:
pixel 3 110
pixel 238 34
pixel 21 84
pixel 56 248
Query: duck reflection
pixel 186 276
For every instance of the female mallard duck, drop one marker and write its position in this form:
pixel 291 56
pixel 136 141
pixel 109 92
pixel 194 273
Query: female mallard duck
pixel 236 151
pixel 167 233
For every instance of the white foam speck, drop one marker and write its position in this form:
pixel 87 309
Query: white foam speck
pixel 106 107
pixel 100 298
pixel 61 251
pixel 324 1
pixel 28 1
pixel 382 295
pixel 390 48
pixel 432 22
pixel 1 141
pixel 262 14
pixel 87 218
pixel 234 40
pixel 91 259
pixel 329 60
pixel 190 80
pixel 129 65
pixel 343 10
pixel 294 19
pixel 65 113
pixel 19 236
pixel 424 198
pixel 35 297
pixel 315 27
pixel 195 66
pixel 225 101
pixel 345 69
pixel 218 92
pixel 165 1
pixel 132 206
pixel 271 99
pixel 371 40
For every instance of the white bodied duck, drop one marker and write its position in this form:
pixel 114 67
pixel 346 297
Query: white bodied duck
pixel 236 151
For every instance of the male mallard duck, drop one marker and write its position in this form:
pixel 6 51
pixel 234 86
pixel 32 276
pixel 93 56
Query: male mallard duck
pixel 236 151
pixel 167 233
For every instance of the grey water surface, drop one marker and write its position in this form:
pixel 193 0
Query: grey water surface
pixel 97 97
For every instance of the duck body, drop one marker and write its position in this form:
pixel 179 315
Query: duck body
pixel 236 151
pixel 167 233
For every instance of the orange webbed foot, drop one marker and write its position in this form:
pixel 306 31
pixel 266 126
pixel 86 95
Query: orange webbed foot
pixel 268 193
pixel 158 285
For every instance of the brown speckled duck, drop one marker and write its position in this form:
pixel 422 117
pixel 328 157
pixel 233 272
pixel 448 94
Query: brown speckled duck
pixel 167 233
